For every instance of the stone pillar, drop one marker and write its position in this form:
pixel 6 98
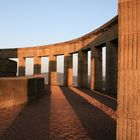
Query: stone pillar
pixel 111 67
pixel 97 53
pixel 92 67
pixel 52 70
pixel 82 69
pixel 21 66
pixel 128 121
pixel 37 65
pixel 68 71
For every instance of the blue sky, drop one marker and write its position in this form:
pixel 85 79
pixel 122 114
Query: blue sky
pixel 25 23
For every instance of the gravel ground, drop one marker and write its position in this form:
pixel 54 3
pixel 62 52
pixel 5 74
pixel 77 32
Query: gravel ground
pixel 63 114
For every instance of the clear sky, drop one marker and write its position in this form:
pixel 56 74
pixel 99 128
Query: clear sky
pixel 25 23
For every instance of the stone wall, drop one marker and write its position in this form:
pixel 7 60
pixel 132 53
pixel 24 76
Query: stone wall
pixel 15 91
pixel 7 68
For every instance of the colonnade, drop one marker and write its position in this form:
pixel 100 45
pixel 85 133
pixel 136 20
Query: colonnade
pixel 96 79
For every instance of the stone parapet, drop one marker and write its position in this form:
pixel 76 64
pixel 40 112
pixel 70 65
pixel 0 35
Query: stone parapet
pixel 15 91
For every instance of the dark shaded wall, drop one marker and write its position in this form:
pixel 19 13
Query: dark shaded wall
pixel 8 68
pixel 111 67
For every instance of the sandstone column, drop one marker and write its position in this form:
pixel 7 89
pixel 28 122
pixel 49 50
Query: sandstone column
pixel 97 54
pixel 82 69
pixel 37 65
pixel 21 66
pixel 68 71
pixel 128 122
pixel 111 67
pixel 52 70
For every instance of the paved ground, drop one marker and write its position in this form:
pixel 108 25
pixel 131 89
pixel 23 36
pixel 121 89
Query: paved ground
pixel 63 114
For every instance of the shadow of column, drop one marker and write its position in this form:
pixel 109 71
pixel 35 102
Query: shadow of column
pixel 98 124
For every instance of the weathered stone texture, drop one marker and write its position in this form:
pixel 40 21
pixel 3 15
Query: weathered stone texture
pixel 7 68
pixel 15 91
pixel 128 123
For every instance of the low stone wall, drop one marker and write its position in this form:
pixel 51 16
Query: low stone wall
pixel 15 91
pixel 8 68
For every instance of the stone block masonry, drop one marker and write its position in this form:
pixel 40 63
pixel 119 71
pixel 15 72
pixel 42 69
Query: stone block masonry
pixel 15 91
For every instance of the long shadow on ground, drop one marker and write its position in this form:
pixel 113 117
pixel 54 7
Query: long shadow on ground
pixel 97 123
